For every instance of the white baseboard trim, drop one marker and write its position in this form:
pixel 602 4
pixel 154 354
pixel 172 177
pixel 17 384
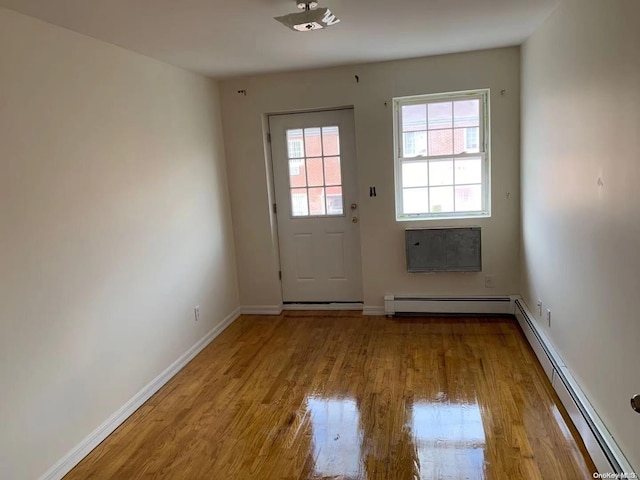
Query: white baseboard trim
pixel 322 306
pixel 604 451
pixel 82 449
pixel 261 309
pixel 372 311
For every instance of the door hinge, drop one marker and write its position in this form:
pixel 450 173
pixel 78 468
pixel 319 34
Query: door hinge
pixel 269 137
pixel 275 208
pixel 280 274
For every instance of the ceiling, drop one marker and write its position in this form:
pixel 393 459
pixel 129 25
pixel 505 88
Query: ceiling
pixel 223 38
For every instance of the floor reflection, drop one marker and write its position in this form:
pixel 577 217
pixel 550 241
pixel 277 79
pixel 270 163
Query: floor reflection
pixel 449 439
pixel 336 438
pixel 436 439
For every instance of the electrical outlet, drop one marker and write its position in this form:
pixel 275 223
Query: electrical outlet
pixel 549 318
pixel 539 307
pixel 489 281
pixel 196 312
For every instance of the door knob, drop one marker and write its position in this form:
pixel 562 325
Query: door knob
pixel 635 403
pixel 355 220
pixel 354 206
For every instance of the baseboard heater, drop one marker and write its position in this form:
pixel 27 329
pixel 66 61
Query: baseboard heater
pixel 605 453
pixel 395 305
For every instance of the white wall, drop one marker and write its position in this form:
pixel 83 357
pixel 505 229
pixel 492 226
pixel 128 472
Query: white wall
pixel 581 122
pixel 382 242
pixel 114 224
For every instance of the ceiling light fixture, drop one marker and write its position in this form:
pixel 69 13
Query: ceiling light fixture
pixel 311 18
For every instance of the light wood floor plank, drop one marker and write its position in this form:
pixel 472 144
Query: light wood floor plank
pixel 335 395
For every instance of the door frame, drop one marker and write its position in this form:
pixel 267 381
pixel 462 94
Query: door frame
pixel 308 306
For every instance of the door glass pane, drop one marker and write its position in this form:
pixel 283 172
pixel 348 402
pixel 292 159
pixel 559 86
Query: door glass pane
pixel 330 141
pixel 295 144
pixel 469 198
pixel 415 200
pixel 441 172
pixel 332 175
pixel 316 201
pixel 441 142
pixel 414 117
pixel 415 174
pixel 441 199
pixel 469 171
pixel 440 115
pixel 466 113
pixel 312 142
pixel 334 201
pixel 297 174
pixel 315 177
pixel 299 205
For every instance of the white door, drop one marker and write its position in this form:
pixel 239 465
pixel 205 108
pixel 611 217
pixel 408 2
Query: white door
pixel 314 167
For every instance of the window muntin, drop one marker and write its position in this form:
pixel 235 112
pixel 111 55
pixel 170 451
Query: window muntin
pixel 315 176
pixel 442 156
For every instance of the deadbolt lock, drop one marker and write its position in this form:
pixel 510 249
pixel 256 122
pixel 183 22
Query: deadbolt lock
pixel 354 206
pixel 355 220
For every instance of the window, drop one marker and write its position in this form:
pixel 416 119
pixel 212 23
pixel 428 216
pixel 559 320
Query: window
pixel 315 176
pixel 295 146
pixel 442 156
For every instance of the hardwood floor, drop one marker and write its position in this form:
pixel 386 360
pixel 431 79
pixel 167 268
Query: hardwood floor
pixel 340 396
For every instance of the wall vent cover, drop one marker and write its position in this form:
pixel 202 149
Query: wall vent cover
pixel 444 249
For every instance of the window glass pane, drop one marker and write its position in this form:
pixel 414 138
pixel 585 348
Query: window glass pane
pixel 469 198
pixel 415 143
pixel 415 174
pixel 334 201
pixel 315 178
pixel 467 140
pixel 441 142
pixel 415 200
pixel 466 113
pixel 440 115
pixel 332 175
pixel 331 140
pixel 312 142
pixel 297 175
pixel 414 117
pixel 441 199
pixel 299 206
pixel 469 171
pixel 316 201
pixel 441 172
pixel 294 143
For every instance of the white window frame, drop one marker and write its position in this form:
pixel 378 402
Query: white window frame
pixel 484 153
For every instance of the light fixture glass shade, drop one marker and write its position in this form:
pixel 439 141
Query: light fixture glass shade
pixel 305 27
